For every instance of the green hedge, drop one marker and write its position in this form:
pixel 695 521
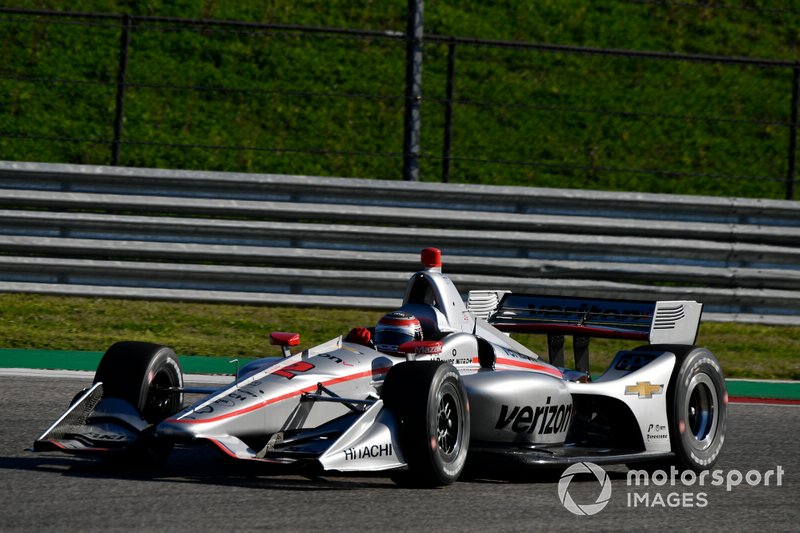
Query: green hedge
pixel 522 117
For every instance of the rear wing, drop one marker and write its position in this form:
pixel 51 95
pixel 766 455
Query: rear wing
pixel 661 322
pixel 669 322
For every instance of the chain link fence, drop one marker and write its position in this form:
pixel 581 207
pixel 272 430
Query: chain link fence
pixel 235 96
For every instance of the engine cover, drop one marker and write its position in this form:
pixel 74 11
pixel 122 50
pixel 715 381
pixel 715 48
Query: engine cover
pixel 518 407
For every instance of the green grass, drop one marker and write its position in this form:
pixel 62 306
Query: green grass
pixel 738 124
pixel 65 323
pixel 745 350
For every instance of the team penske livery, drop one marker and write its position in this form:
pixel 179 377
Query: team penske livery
pixel 435 391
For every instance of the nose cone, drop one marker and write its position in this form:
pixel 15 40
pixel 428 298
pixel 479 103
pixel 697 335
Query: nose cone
pixel 173 429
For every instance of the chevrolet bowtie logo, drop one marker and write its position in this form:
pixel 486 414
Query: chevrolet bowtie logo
pixel 644 389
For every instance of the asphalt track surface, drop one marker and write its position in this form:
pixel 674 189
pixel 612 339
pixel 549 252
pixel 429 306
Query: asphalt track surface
pixel 197 490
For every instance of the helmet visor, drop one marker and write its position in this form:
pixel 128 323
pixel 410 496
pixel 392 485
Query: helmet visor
pixel 391 339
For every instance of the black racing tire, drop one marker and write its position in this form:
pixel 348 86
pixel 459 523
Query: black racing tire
pixel 697 407
pixel 140 373
pixel 431 402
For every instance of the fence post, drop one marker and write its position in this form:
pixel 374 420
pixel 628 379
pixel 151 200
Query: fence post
pixel 411 126
pixel 122 76
pixel 792 171
pixel 448 111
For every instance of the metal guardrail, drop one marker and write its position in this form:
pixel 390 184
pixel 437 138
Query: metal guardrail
pixel 349 191
pixel 439 216
pixel 145 233
pixel 312 243
pixel 382 285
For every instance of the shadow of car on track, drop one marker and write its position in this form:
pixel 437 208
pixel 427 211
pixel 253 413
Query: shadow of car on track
pixel 195 466
pixel 203 466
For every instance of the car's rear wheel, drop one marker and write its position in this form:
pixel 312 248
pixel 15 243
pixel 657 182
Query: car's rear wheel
pixel 430 400
pixel 145 375
pixel 697 401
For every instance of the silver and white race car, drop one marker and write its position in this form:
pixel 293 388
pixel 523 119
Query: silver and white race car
pixel 459 395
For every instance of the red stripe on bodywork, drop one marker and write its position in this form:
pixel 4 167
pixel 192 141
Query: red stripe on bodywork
pixel 531 365
pixel 769 401
pixel 223 448
pixel 276 399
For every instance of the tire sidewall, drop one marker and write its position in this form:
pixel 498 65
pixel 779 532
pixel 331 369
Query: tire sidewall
pixel 413 391
pixel 447 383
pixel 164 360
pixel 128 371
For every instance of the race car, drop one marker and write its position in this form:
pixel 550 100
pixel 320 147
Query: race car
pixel 438 388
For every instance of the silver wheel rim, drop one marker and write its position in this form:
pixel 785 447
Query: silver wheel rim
pixel 448 424
pixel 701 411
pixel 160 401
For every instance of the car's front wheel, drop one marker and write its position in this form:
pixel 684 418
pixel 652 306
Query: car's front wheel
pixel 430 400
pixel 147 376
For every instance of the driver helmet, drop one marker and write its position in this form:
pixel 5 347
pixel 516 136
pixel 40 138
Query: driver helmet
pixel 394 329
